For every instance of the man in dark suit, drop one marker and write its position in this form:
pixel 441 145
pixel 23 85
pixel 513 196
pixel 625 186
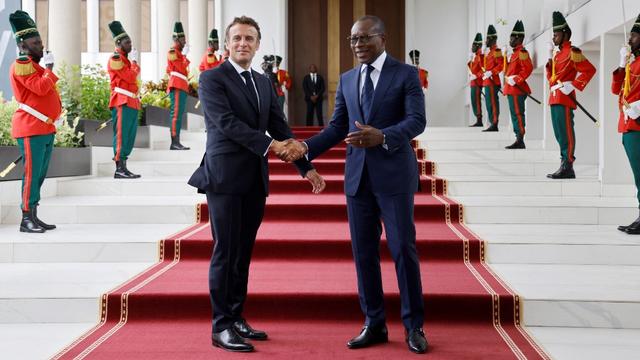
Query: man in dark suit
pixel 313 85
pixel 239 106
pixel 379 109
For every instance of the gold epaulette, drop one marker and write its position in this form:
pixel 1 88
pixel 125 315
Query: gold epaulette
pixel 211 58
pixel 498 53
pixel 24 67
pixel 172 55
pixel 116 63
pixel 576 54
pixel 524 54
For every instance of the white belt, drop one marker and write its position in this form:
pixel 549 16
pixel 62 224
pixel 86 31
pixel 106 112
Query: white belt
pixel 177 74
pixel 125 92
pixel 558 86
pixel 29 110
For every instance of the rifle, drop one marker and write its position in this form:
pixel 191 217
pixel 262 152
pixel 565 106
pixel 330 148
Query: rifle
pixel 577 103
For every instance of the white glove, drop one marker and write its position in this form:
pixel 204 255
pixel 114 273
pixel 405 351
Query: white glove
pixel 47 59
pixel 58 123
pixel 133 55
pixel 624 56
pixel 511 80
pixel 633 112
pixel 567 88
pixel 550 48
pixel 472 77
pixel 487 75
pixel 185 49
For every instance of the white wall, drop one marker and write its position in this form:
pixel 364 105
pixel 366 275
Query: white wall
pixel 438 29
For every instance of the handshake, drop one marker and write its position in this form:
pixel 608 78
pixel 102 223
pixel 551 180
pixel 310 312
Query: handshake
pixel 288 150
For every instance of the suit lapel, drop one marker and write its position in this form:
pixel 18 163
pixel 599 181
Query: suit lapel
pixel 263 93
pixel 235 78
pixel 352 86
pixel 385 79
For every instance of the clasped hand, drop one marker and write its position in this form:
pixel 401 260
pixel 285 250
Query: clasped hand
pixel 292 150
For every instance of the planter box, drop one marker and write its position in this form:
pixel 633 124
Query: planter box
pixel 64 162
pixel 158 116
pixel 104 137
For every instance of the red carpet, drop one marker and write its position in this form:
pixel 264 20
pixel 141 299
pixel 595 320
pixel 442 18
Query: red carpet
pixel 302 287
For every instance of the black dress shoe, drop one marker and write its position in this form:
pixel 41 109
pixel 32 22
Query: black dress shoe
pixel 246 331
pixel 416 341
pixel 633 229
pixel 564 172
pixel 229 340
pixel 28 223
pixel 518 144
pixel 477 124
pixel 369 336
pixel 491 128
pixel 40 222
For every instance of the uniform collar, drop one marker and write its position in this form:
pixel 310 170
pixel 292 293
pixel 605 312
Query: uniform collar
pixel 565 45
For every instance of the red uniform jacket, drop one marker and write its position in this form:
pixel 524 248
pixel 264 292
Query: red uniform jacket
pixel 34 86
pixel 283 79
pixel 570 65
pixel 475 67
pixel 519 65
pixel 209 60
pixel 424 78
pixel 124 75
pixel 625 123
pixel 176 62
pixel 493 62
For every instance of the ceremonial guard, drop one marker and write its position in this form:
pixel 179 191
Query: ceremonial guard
pixel 626 84
pixel 211 59
pixel 33 124
pixel 475 64
pixel 178 88
pixel 124 103
pixel 519 68
pixel 422 73
pixel 493 64
pixel 567 69
pixel 284 81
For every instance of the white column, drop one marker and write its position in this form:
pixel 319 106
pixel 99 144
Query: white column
pixel 128 12
pixel 166 14
pixel 93 30
pixel 535 112
pixel 198 32
pixel 65 31
pixel 614 166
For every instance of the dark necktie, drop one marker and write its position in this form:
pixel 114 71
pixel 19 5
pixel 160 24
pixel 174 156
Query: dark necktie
pixel 367 94
pixel 249 83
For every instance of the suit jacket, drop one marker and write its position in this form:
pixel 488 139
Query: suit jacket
pixel 398 110
pixel 313 89
pixel 236 139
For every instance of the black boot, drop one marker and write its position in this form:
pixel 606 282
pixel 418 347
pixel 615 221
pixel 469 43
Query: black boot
pixel 518 144
pixel 478 122
pixel 564 172
pixel 122 172
pixel 28 224
pixel 175 144
pixel 129 173
pixel 493 127
pixel 633 228
pixel 40 222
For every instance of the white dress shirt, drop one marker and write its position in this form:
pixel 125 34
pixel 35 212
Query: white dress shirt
pixel 375 74
pixel 240 70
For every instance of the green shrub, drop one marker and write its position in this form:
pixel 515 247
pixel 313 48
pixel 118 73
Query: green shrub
pixel 67 135
pixel 95 93
pixel 6 113
pixel 69 87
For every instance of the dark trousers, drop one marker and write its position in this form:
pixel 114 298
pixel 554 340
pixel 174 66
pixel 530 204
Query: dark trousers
pixel 314 107
pixel 235 219
pixel 365 210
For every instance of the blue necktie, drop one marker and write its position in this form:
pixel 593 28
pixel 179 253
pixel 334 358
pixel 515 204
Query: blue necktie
pixel 367 94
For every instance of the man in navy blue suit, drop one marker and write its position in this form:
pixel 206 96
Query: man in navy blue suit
pixel 379 109
pixel 239 106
